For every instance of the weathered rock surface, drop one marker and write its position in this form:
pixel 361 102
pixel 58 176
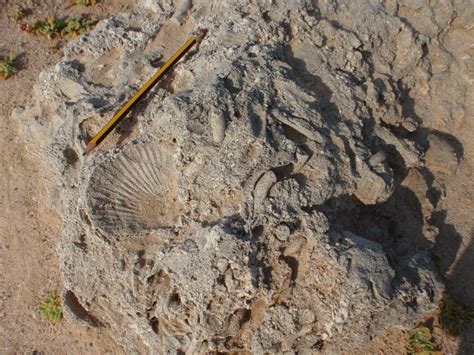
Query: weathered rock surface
pixel 209 220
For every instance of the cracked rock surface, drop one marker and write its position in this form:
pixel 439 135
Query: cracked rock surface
pixel 210 219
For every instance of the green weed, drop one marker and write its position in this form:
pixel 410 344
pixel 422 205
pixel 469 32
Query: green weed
pixel 18 14
pixel 49 27
pixel 77 26
pixel 7 66
pixel 83 2
pixel 453 316
pixel 51 307
pixel 420 341
pixel 52 27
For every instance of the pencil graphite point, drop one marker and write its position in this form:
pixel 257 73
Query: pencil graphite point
pixel 89 148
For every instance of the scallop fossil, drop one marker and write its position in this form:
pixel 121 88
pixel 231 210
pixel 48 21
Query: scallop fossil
pixel 135 192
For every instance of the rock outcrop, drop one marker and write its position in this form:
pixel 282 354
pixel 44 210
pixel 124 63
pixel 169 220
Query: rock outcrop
pixel 208 221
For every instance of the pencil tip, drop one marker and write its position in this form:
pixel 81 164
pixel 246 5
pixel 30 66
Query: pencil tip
pixel 89 147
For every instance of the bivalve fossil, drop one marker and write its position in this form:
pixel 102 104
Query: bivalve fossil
pixel 135 192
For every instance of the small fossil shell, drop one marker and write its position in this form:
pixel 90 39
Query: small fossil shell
pixel 182 10
pixel 135 192
pixel 264 184
pixel 371 188
pixel 230 38
pixel 217 122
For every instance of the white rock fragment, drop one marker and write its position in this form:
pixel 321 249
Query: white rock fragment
pixel 217 122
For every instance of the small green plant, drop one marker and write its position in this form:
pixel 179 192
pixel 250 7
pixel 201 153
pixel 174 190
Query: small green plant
pixel 7 66
pixel 18 14
pixel 52 27
pixel 49 27
pixel 453 316
pixel 83 2
pixel 420 341
pixel 51 307
pixel 78 25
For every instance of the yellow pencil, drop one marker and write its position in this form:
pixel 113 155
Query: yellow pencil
pixel 104 132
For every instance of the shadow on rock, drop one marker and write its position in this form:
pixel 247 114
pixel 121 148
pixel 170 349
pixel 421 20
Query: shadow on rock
pixel 396 224
pixel 460 286
pixel 447 242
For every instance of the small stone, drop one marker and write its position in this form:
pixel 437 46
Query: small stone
pixel 307 317
pixel 282 232
pixel 222 265
pixel 410 125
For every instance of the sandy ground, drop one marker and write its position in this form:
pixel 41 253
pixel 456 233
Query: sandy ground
pixel 29 231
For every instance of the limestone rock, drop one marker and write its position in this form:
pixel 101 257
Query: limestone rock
pixel 204 222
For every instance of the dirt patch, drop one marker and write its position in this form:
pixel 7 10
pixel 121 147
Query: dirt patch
pixel 29 230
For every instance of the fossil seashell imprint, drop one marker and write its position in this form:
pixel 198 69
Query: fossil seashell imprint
pixel 135 192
